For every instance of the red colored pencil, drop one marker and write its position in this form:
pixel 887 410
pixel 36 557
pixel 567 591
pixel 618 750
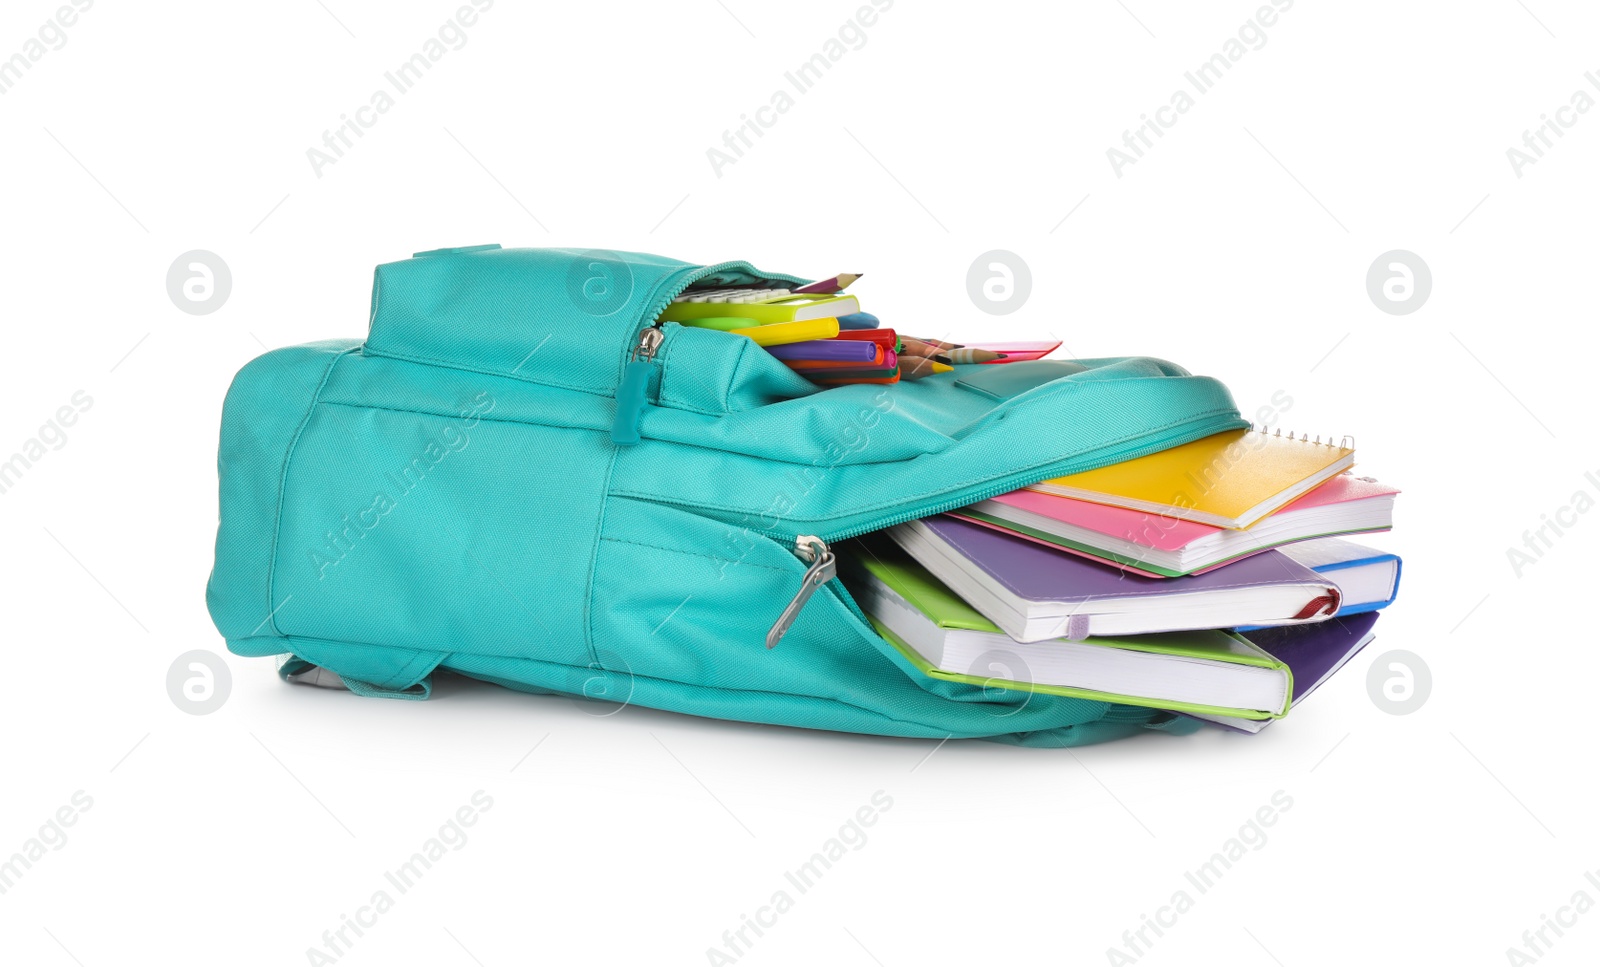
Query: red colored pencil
pixel 887 338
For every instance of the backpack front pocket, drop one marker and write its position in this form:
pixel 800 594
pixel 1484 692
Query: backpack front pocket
pixel 683 598
pixel 686 598
pixel 441 532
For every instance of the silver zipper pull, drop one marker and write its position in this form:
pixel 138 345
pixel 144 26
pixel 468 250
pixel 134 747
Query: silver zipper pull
pixel 635 380
pixel 649 341
pixel 824 568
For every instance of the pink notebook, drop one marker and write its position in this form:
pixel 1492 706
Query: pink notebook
pixel 1159 546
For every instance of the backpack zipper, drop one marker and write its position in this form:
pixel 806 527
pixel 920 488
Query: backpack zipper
pixel 824 568
pixel 660 303
pixel 631 401
pixel 814 549
pixel 1174 437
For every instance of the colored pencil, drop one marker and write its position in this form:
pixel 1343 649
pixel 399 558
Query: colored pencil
pixel 838 283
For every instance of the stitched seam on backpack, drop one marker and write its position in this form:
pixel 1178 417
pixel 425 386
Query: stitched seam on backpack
pixel 875 713
pixel 645 495
pixel 598 429
pixel 596 392
pixel 903 499
pixel 408 674
pixel 594 562
pixel 665 395
pixel 283 483
pixel 709 557
pixel 604 429
pixel 503 374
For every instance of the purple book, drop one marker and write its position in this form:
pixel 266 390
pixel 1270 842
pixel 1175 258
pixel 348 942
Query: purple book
pixel 829 350
pixel 1312 652
pixel 1034 592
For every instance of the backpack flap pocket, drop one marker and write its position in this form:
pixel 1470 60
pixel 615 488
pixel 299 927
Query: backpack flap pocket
pixel 573 319
pixel 561 317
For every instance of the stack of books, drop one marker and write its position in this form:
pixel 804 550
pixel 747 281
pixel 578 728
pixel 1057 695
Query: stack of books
pixel 1210 579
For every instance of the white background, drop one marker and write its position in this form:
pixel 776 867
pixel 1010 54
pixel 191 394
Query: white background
pixel 1238 247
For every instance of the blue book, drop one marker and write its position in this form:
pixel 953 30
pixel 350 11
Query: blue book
pixel 1368 580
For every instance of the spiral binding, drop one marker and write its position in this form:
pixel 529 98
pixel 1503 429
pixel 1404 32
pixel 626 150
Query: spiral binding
pixel 1347 441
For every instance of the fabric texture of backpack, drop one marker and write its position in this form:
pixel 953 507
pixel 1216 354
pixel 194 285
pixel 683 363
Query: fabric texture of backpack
pixel 451 494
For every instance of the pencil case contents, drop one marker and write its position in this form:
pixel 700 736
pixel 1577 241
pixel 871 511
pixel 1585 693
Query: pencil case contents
pixel 820 331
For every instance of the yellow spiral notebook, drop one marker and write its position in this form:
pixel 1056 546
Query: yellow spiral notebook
pixel 1228 480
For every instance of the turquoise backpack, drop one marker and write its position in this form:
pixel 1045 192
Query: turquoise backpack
pixel 519 478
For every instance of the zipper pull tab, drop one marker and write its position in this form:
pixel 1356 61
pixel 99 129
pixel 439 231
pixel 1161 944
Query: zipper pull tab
pixel 635 380
pixel 824 568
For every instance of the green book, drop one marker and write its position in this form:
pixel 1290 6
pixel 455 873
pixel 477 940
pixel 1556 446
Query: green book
pixel 1198 672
